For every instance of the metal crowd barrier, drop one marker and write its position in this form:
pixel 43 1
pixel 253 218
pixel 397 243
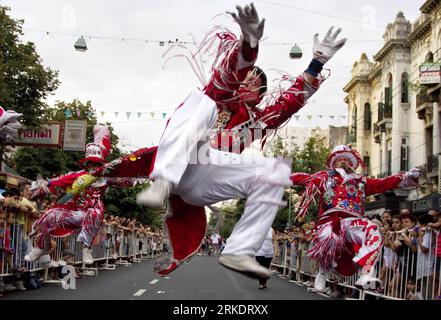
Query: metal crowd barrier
pixel 406 275
pixel 110 245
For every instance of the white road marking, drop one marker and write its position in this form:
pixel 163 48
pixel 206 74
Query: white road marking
pixel 140 292
pixel 154 281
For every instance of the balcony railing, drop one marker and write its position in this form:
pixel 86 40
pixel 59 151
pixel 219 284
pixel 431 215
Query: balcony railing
pixel 377 133
pixel 433 164
pixel 423 104
pixel 384 112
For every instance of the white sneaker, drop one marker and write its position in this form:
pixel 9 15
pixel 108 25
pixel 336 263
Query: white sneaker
pixel 87 256
pixel 61 263
pixel 155 195
pixel 320 281
pixel 53 264
pixel 20 286
pixel 34 254
pixel 367 280
pixel 307 283
pixel 245 264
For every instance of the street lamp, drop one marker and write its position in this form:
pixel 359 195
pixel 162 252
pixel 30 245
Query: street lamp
pixel 80 44
pixel 296 52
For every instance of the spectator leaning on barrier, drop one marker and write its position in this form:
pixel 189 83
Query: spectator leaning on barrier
pixel 405 247
pixel 389 256
pixel 426 254
pixel 386 216
pixel 5 242
pixel 436 225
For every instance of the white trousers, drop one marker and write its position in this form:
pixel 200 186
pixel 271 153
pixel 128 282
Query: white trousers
pixel 190 124
pixel 260 180
pixel 203 176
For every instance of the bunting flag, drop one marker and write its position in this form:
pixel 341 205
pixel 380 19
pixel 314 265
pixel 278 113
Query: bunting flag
pixel 154 114
pixel 67 113
pixel 78 113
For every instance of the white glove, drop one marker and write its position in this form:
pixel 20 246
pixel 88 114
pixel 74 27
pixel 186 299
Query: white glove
pixel 323 51
pixel 413 173
pixel 9 124
pixel 39 188
pixel 250 24
pixel 410 178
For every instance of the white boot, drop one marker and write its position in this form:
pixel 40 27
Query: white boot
pixel 320 281
pixel 34 254
pixel 245 264
pixel 156 195
pixel 367 280
pixel 87 256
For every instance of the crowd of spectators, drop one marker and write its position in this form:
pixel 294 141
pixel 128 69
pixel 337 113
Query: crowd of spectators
pixel 410 262
pixel 17 214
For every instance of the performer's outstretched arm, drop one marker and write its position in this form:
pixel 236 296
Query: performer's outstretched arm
pixel 51 186
pixel 305 85
pixel 300 179
pixel 401 180
pixel 237 57
pixel 305 179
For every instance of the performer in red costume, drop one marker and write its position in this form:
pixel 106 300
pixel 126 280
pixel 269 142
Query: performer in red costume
pixel 344 239
pixel 188 167
pixel 84 212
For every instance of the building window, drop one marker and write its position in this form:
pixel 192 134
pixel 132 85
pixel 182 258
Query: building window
pixel 404 155
pixel 354 124
pixel 367 117
pixel 388 98
pixel 367 161
pixel 404 88
pixel 389 163
pixel 429 57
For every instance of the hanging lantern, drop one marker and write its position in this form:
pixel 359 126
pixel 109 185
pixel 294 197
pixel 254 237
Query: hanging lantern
pixel 80 45
pixel 296 52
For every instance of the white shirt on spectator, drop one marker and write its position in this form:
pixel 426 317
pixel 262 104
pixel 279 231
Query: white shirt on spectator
pixel 267 249
pixel 390 257
pixel 215 238
pixel 425 261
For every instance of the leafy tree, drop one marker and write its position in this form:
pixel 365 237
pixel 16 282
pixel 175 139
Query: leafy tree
pixel 122 202
pixel 24 81
pixel 48 162
pixel 233 211
pixel 311 159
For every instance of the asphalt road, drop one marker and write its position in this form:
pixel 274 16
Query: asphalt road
pixel 202 278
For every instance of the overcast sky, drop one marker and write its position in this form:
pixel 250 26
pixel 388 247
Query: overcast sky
pixel 129 76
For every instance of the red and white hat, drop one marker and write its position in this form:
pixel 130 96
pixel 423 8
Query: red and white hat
pixel 347 152
pixel 98 151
